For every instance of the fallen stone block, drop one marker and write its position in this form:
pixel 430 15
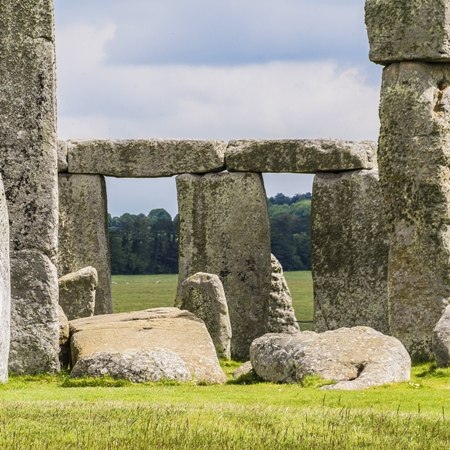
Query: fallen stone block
pixel 407 30
pixel 349 251
pixel 202 294
pixel 145 158
pixel 77 293
pixel 281 315
pixel 355 358
pixel 299 156
pixel 150 335
pixel 441 340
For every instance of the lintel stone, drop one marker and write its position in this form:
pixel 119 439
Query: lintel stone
pixel 145 158
pixel 406 30
pixel 299 156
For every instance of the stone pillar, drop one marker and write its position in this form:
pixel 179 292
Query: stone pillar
pixel 349 251
pixel 224 230
pixel 28 165
pixel 5 287
pixel 414 161
pixel 83 232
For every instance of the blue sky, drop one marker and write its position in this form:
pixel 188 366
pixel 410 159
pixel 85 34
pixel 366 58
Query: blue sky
pixel 212 69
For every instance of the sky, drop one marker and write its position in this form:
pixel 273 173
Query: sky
pixel 212 69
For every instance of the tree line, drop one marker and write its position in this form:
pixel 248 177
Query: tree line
pixel 148 244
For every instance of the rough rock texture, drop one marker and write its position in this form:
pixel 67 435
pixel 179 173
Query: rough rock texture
pixel 243 370
pixel 299 156
pixel 402 30
pixel 356 358
pixel 349 252
pixel 136 366
pixel 224 229
pixel 77 293
pixel 83 232
pixel 202 294
pixel 64 335
pixel 414 162
pixel 28 165
pixel 63 164
pixel 5 287
pixel 441 339
pixel 145 158
pixel 160 329
pixel 280 314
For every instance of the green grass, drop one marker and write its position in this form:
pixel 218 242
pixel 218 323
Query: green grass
pixel 50 412
pixel 137 292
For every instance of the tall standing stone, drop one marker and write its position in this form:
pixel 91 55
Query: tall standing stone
pixel 224 230
pixel 83 232
pixel 28 164
pixel 349 251
pixel 5 287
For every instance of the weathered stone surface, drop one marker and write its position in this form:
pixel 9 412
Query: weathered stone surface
pixel 224 229
pixel 243 370
pixel 299 156
pixel 414 161
pixel 63 164
pixel 83 232
pixel 403 30
pixel 64 335
pixel 145 158
pixel 441 339
pixel 349 251
pixel 77 293
pixel 29 169
pixel 356 358
pixel 202 294
pixel 5 287
pixel 281 315
pixel 160 329
pixel 136 366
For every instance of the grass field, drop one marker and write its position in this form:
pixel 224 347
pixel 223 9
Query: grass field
pixel 136 292
pixel 55 412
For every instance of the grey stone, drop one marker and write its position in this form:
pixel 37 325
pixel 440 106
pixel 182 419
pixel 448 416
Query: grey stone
pixel 243 370
pixel 349 251
pixel 281 315
pixel 83 232
pixel 5 287
pixel 355 358
pixel 63 164
pixel 202 294
pixel 28 165
pixel 441 339
pixel 64 342
pixel 299 156
pixel 145 158
pixel 414 166
pixel 404 30
pixel 224 229
pixel 77 293
pixel 152 330
pixel 136 366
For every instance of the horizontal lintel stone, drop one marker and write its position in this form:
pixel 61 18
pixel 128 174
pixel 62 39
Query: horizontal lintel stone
pixel 145 158
pixel 300 156
pixel 408 30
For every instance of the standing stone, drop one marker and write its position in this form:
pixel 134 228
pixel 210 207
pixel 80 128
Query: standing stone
pixel 202 294
pixel 28 164
pixel 5 288
pixel 224 229
pixel 77 293
pixel 441 339
pixel 349 252
pixel 414 162
pixel 281 315
pixel 83 232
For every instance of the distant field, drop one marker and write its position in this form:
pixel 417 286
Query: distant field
pixel 137 292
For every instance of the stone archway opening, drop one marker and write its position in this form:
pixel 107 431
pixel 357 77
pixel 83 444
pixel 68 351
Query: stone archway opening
pixel 143 242
pixel 289 206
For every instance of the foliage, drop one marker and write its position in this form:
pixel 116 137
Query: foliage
pixel 143 244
